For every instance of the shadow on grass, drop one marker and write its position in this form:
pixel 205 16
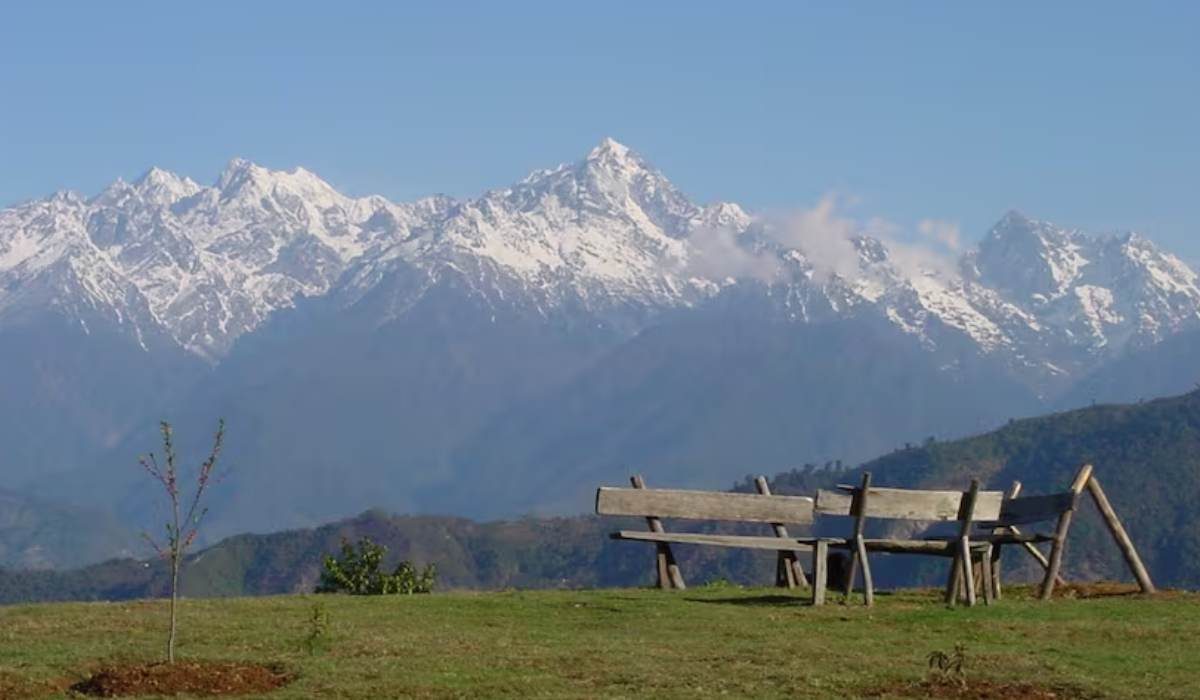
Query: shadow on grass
pixel 785 600
pixel 758 600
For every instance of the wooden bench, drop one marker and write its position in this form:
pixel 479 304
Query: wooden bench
pixel 656 504
pixel 986 522
pixel 1018 511
pixel 865 502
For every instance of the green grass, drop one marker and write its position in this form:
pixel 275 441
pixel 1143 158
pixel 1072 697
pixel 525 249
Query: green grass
pixel 704 642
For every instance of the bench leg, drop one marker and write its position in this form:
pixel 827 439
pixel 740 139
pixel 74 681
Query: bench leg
pixel 851 574
pixel 996 572
pixel 868 585
pixel 793 572
pixel 985 571
pixel 785 574
pixel 661 555
pixel 964 547
pixel 669 575
pixel 953 581
pixel 820 570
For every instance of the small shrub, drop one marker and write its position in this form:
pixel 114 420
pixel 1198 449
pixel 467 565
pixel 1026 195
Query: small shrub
pixel 317 639
pixel 949 668
pixel 357 572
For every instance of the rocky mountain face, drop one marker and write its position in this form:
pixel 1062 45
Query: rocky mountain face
pixel 504 353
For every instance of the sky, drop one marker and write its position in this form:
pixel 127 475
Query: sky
pixel 1086 114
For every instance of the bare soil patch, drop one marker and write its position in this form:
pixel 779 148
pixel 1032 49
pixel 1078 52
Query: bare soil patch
pixel 1096 589
pixel 18 688
pixel 191 677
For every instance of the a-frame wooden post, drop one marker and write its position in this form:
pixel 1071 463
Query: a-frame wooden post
pixel 859 554
pixel 1118 532
pixel 1060 534
pixel 667 570
pixel 962 560
pixel 788 573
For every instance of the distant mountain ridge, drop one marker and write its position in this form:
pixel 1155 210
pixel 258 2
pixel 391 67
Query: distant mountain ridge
pixel 498 355
pixel 206 265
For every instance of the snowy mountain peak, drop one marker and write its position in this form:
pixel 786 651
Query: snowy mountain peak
pixel 609 150
pixel 600 236
pixel 164 186
pixel 1025 257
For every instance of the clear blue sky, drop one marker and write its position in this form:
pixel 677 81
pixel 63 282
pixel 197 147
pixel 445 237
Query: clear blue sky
pixel 1083 113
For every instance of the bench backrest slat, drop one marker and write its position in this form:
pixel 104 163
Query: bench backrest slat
pixel 911 504
pixel 704 505
pixel 1033 509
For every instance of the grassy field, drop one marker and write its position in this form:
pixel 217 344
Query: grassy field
pixel 705 642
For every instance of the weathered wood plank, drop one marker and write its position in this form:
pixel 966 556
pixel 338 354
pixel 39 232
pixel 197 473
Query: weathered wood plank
pixel 1032 509
pixel 911 504
pixel 704 505
pixel 775 544
pixel 944 547
pixel 1000 537
pixel 1118 532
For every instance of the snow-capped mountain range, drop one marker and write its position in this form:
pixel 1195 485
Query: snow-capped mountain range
pixel 442 355
pixel 202 266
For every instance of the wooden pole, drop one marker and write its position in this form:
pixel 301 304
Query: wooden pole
pixel 1060 535
pixel 1122 537
pixel 964 542
pixel 788 571
pixel 994 574
pixel 820 571
pixel 667 570
pixel 859 555
pixel 985 574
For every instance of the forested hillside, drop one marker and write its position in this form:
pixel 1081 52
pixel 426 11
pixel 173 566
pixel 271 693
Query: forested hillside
pixel 1146 455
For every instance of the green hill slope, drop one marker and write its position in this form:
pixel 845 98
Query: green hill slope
pixel 1146 455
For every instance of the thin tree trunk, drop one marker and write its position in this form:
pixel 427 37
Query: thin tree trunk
pixel 174 602
pixel 177 545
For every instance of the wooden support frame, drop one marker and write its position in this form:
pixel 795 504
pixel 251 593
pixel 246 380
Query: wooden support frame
pixel 1122 538
pixel 820 568
pixel 1013 492
pixel 962 568
pixel 667 570
pixel 1060 534
pixel 788 573
pixel 1085 478
pixel 858 555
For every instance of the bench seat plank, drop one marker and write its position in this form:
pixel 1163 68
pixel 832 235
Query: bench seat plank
pixel 930 546
pixel 1001 537
pixel 778 544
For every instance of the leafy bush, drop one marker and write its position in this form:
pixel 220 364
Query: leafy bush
pixel 357 572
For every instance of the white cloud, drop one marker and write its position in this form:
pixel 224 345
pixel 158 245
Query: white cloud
pixel 824 235
pixel 944 233
pixel 716 253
